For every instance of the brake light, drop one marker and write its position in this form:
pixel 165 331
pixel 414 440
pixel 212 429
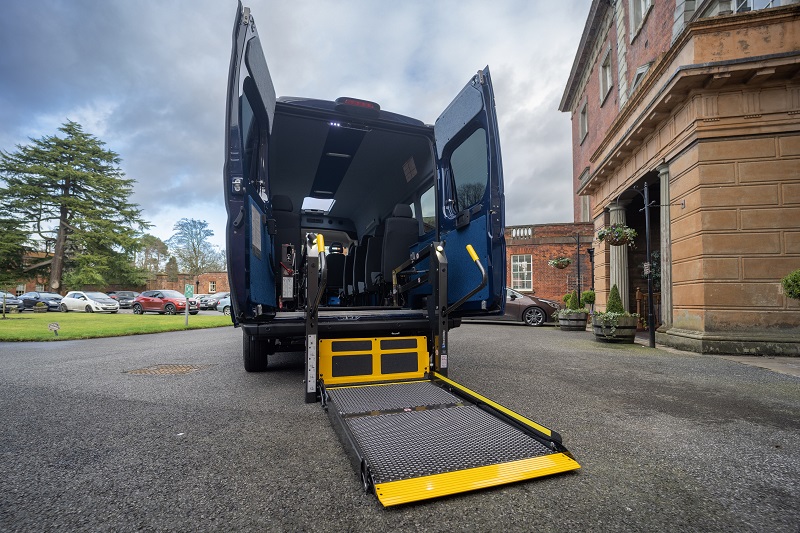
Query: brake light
pixel 355 102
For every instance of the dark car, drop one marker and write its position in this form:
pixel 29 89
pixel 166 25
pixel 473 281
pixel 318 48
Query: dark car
pixel 124 298
pixel 213 300
pixel 51 299
pixel 10 302
pixel 527 309
pixel 163 302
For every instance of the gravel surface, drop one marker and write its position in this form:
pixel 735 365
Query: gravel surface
pixel 667 440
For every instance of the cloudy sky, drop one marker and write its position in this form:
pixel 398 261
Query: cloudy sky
pixel 148 77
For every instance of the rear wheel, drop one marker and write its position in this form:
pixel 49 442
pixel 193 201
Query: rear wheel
pixel 255 352
pixel 226 310
pixel 169 309
pixel 63 308
pixel 137 309
pixel 89 309
pixel 533 316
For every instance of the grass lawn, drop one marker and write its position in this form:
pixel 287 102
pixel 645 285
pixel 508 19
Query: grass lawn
pixel 30 326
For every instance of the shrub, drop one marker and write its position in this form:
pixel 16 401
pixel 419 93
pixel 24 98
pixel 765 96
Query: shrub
pixel 614 304
pixel 791 285
pixel 566 298
pixel 588 297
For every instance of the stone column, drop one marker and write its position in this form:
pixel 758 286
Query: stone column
pixel 619 255
pixel 666 249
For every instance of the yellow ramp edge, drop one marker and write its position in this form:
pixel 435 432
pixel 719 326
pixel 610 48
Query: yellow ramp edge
pixel 437 485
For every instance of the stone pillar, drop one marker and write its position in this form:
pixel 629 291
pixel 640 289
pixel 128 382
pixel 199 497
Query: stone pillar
pixel 619 256
pixel 666 249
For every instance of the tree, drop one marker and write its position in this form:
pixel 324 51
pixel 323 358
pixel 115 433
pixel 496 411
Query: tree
pixel 76 199
pixel 171 269
pixel 191 247
pixel 152 255
pixel 13 246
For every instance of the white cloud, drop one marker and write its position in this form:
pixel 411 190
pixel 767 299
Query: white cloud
pixel 149 79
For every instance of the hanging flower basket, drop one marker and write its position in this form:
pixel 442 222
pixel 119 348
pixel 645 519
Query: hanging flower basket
pixel 617 235
pixel 560 262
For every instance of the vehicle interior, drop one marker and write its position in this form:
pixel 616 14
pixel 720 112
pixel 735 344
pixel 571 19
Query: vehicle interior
pixel 365 185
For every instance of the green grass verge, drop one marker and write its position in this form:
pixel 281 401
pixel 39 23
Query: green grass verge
pixel 30 326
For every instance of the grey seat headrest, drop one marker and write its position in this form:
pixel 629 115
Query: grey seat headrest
pixel 282 203
pixel 402 210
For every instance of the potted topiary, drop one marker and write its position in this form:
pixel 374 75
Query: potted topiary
pixel 40 307
pixel 588 298
pixel 615 324
pixel 617 235
pixel 560 262
pixel 573 318
pixel 791 285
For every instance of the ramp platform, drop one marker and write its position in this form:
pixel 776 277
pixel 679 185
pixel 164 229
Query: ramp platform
pixel 417 440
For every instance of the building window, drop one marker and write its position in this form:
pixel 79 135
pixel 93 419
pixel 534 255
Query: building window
pixel 742 6
pixel 584 122
pixel 20 289
pixel 521 272
pixel 606 77
pixel 39 287
pixel 212 287
pixel 639 11
pixel 639 76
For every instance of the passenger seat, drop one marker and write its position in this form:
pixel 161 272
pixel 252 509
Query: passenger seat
pixel 400 233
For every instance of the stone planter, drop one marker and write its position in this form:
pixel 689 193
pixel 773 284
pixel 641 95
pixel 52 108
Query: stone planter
pixel 572 321
pixel 624 331
pixel 39 309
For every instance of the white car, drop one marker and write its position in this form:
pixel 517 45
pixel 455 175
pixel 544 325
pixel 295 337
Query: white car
pixel 90 302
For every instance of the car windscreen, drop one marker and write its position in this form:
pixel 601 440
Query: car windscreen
pixel 172 294
pixel 97 295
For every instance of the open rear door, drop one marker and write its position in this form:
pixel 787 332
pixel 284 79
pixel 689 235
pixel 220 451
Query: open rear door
pixel 471 203
pixel 250 112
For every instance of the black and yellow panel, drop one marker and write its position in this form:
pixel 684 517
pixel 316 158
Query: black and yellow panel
pixel 372 359
pixel 447 483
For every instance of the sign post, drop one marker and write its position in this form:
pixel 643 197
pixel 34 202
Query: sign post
pixel 188 292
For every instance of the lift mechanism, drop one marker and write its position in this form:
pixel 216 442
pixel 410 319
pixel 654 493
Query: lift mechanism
pixel 411 432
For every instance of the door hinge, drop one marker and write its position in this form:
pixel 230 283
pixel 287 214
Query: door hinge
pixel 246 16
pixel 481 77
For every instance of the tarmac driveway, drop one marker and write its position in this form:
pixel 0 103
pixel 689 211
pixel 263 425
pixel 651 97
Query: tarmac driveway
pixel 666 440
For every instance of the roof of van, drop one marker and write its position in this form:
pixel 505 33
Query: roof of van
pixel 327 105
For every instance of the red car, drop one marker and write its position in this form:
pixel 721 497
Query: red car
pixel 163 302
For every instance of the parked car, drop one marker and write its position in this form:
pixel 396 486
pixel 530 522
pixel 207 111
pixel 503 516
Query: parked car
pixel 526 308
pixel 224 306
pixel 125 298
pixel 50 299
pixel 90 302
pixel 213 300
pixel 163 302
pixel 10 301
pixel 201 300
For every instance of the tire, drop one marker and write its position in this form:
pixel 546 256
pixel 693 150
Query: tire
pixel 137 309
pixel 63 308
pixel 226 310
pixel 255 352
pixel 89 309
pixel 534 316
pixel 193 312
pixel 169 309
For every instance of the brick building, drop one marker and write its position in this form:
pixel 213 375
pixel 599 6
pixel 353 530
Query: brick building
pixel 206 283
pixel 699 101
pixel 529 248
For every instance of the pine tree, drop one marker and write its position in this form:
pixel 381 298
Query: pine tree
pixel 13 246
pixel 614 304
pixel 76 199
